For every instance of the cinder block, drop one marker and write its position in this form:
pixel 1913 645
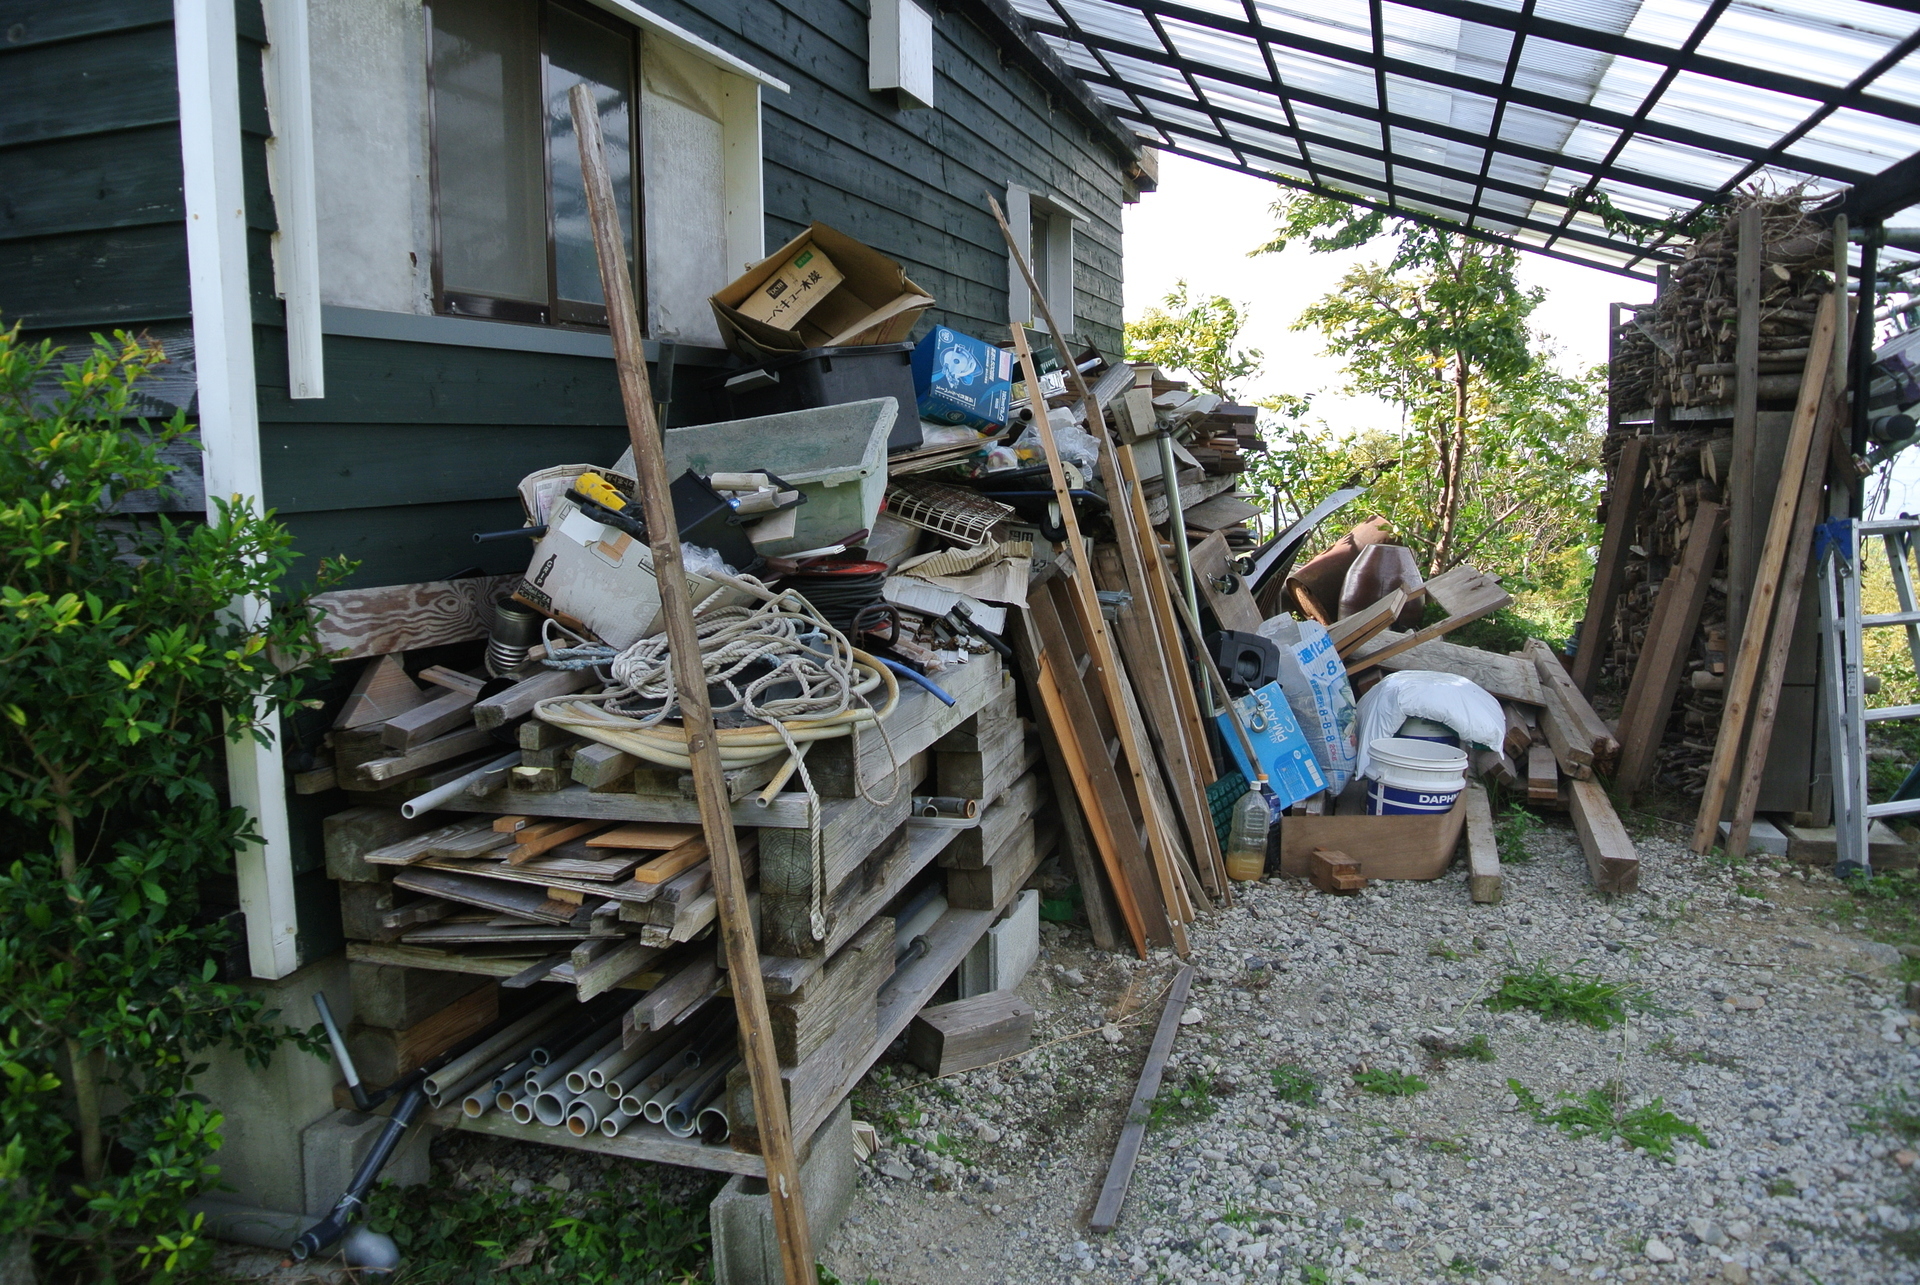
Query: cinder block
pixel 332 1147
pixel 745 1250
pixel 266 1109
pixel 391 996
pixel 999 961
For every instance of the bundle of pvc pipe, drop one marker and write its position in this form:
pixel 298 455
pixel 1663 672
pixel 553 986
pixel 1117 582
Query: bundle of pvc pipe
pixel 452 1081
pixel 605 1074
pixel 588 1110
pixel 577 1079
pixel 482 1090
pixel 683 1113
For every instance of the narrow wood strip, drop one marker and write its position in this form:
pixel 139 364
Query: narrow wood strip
pixel 1113 1193
pixel 1610 570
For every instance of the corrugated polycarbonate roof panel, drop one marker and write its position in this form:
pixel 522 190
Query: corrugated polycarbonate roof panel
pixel 1524 119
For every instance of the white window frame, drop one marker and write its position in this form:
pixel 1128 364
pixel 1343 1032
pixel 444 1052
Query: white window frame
pixel 1023 206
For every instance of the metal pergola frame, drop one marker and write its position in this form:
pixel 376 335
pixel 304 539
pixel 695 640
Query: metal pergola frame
pixel 1310 137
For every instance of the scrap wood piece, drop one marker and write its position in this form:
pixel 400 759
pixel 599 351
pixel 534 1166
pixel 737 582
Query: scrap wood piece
pixel 444 713
pixel 1483 849
pixel 1610 571
pixel 1664 652
pixel 1225 593
pixel 398 767
pixel 1522 729
pixel 420 846
pixel 1766 586
pixel 1612 860
pixel 383 691
pixel 534 840
pixel 946 1039
pixel 518 700
pixel 691 985
pixel 1543 775
pixel 1565 704
pixel 1113 1193
pixel 674 862
pixel 1350 632
pixel 1505 677
pixel 1466 592
pixel 652 836
pixel 353 623
pixel 453 680
pixel 1335 872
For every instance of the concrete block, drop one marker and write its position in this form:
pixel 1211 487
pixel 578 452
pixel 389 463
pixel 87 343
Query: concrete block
pixel 392 996
pixel 1000 959
pixel 1816 846
pixel 265 1110
pixel 1764 836
pixel 745 1250
pixel 332 1147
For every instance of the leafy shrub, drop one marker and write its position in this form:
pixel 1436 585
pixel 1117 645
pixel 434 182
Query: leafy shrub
pixel 124 666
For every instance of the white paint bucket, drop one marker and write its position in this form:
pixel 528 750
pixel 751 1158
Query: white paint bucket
pixel 1414 778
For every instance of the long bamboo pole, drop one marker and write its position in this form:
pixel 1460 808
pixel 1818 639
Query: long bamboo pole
pixel 696 715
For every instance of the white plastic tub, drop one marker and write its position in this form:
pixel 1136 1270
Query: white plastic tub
pixel 1413 778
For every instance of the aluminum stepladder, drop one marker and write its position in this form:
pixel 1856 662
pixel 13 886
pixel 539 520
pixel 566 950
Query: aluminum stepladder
pixel 1842 631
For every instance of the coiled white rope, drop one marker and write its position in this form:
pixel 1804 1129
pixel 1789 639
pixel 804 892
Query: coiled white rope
pixel 793 676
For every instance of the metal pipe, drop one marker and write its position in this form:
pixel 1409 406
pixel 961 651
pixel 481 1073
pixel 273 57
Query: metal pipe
pixel 605 1073
pixel 463 1071
pixel 949 806
pixel 683 1113
pixel 584 1116
pixel 421 804
pixel 655 1107
pixel 1177 521
pixel 671 1043
pixel 559 1041
pixel 553 1075
pixel 714 1125
pixel 779 782
pixel 550 1107
pixel 577 1081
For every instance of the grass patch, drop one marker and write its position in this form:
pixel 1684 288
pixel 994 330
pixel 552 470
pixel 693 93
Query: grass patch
pixel 1781 1187
pixel 1510 831
pixel 1294 1083
pixel 1477 1049
pixel 1187 1102
pixel 1553 994
pixel 629 1232
pixel 1393 1084
pixel 1666 1046
pixel 1892 1111
pixel 1601 1113
pixel 1440 950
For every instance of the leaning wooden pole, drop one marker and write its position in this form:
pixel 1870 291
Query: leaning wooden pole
pixel 696 715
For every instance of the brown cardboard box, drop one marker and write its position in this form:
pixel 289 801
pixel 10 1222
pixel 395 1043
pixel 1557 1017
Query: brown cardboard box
pixel 793 290
pixel 1392 847
pixel 873 302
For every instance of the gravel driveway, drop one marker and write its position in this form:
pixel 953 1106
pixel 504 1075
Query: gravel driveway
pixel 1766 1020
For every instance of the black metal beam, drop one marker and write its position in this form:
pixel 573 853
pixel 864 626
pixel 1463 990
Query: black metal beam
pixel 1414 216
pixel 1884 195
pixel 1447 79
pixel 1279 84
pixel 1520 151
pixel 1518 220
pixel 1514 45
pixel 1674 59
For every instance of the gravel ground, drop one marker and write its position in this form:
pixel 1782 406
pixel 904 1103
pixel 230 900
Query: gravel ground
pixel 1771 1024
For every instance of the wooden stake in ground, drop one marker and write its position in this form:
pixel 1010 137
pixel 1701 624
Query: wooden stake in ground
pixel 1766 583
pixel 683 642
pixel 1610 572
pixel 1106 1214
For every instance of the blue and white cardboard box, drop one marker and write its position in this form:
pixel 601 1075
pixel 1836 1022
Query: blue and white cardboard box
pixel 1279 744
pixel 962 380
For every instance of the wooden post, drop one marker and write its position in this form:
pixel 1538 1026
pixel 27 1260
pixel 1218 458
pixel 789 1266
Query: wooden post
pixel 1623 514
pixel 1766 585
pixel 1746 480
pixel 696 715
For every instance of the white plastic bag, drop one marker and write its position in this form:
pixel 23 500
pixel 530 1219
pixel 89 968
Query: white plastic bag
pixel 1315 680
pixel 1077 446
pixel 1460 703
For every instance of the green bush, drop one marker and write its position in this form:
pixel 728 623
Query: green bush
pixel 124 666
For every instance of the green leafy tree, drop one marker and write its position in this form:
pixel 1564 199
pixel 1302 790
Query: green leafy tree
pixel 124 668
pixel 1497 454
pixel 1197 338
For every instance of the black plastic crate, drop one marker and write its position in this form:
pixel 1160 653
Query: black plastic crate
pixel 828 377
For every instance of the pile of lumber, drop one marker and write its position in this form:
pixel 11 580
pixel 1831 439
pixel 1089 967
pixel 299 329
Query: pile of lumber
pixel 1212 438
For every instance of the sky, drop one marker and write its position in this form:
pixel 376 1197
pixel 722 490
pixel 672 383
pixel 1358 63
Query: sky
pixel 1203 220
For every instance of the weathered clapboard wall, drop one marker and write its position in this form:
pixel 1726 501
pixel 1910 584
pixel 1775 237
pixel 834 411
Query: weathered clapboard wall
pixel 418 445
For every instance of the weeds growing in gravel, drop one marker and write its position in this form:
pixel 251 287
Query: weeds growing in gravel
pixel 1666 1046
pixel 1440 950
pixel 1892 1111
pixel 1477 1048
pixel 1395 1084
pixel 1510 833
pixel 1602 1113
pixel 1189 1101
pixel 1553 994
pixel 1294 1083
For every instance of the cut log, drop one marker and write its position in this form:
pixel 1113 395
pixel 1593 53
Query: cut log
pixel 1335 872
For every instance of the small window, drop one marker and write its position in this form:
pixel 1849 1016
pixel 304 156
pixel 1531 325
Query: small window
pixel 1048 239
pixel 511 236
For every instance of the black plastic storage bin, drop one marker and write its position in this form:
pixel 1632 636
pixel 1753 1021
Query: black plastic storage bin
pixel 828 377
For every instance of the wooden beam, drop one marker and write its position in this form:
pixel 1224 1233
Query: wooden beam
pixel 1466 592
pixel 1610 570
pixel 696 716
pixel 444 713
pixel 1612 861
pixel 1766 586
pixel 1113 1192
pixel 355 623
pixel 1743 491
pixel 1664 651
pixel 1483 849
pixel 518 700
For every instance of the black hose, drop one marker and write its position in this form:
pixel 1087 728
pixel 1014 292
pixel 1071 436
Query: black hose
pixel 335 1224
pixel 839 598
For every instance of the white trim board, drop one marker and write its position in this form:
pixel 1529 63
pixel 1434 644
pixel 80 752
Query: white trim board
pixel 653 23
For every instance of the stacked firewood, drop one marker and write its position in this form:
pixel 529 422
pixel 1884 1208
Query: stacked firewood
pixel 1680 350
